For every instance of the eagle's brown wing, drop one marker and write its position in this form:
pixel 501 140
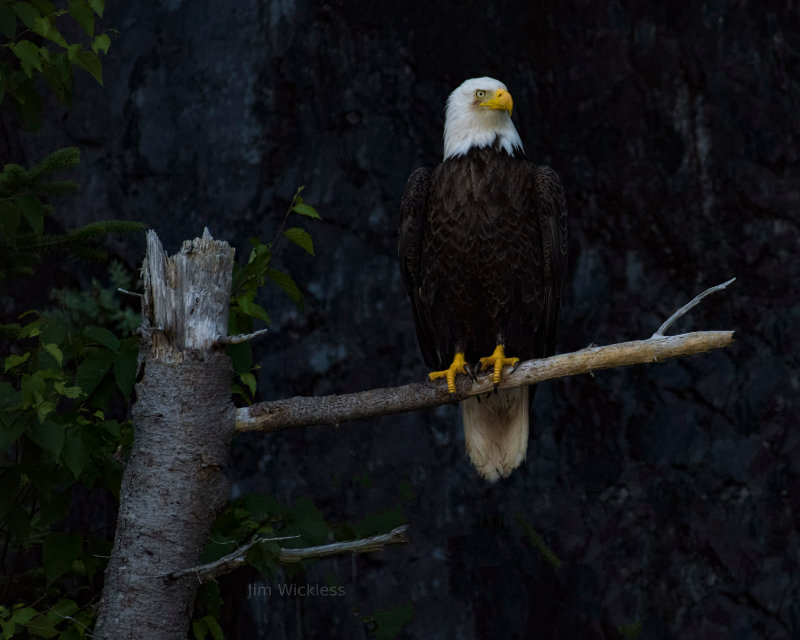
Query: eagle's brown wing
pixel 413 218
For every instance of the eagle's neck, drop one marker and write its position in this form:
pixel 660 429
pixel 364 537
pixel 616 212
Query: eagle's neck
pixel 465 131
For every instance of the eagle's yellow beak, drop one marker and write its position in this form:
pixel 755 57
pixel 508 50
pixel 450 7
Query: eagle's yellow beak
pixel 500 100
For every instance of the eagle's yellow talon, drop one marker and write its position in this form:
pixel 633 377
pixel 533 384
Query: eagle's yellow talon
pixel 459 365
pixel 498 360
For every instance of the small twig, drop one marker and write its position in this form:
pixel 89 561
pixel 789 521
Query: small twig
pixel 373 543
pixel 663 328
pixel 238 557
pixel 130 293
pixel 242 337
pixel 223 565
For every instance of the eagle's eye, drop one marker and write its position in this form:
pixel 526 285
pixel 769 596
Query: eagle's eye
pixel 480 94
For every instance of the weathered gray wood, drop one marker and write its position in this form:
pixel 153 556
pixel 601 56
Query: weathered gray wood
pixel 336 409
pixel 174 482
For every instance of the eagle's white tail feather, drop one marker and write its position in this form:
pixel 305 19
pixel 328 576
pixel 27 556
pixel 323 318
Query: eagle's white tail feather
pixel 496 431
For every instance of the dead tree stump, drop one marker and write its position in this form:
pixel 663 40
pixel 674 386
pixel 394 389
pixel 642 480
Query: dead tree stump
pixel 174 482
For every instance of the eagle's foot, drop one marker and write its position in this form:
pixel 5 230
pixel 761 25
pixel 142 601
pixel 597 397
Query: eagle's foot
pixel 498 360
pixel 459 365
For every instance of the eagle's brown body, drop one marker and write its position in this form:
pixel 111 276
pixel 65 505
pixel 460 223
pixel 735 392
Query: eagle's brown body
pixel 483 241
pixel 483 247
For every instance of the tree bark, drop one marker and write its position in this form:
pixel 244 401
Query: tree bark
pixel 174 482
pixel 295 412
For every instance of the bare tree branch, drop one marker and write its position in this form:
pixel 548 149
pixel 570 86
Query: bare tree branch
pixel 364 545
pixel 223 565
pixel 662 330
pixel 238 557
pixel 242 337
pixel 335 409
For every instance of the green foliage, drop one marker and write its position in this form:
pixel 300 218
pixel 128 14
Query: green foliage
pixel 60 388
pixel 34 46
pixel 23 213
pixel 100 304
pixel 538 542
pixel 248 280
pixel 300 525
pixel 385 624
pixel 20 621
pixel 207 627
pixel 631 631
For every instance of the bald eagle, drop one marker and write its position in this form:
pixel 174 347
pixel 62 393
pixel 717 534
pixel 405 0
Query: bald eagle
pixel 482 247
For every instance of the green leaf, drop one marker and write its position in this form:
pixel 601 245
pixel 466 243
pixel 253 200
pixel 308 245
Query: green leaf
pixel 250 308
pixel 75 454
pixel 64 607
pixel 32 210
pixel 93 369
pixel 101 43
pixel 45 28
pixel 250 380
pixel 199 629
pixel 285 282
pixel 54 351
pixel 72 52
pixel 241 356
pixel 214 628
pixel 68 392
pixel 264 557
pixel 83 15
pixel 390 622
pixel 14 360
pixel 43 627
pixel 309 522
pixel 48 435
pixel 27 13
pixel 28 54
pixel 126 366
pixel 11 432
pixel 22 615
pixel 59 551
pixel 102 336
pixel 380 522
pixel 56 508
pixel 8 22
pixel 32 387
pixel 32 329
pixel 58 75
pixel 91 63
pixel 301 238
pixel 97 6
pixel 306 210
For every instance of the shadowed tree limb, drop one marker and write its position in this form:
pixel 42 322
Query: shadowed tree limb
pixel 238 558
pixel 335 409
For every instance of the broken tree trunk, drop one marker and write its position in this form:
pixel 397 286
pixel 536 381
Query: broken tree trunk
pixel 174 482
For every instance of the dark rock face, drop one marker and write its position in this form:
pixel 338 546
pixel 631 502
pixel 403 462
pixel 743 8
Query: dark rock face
pixel 669 492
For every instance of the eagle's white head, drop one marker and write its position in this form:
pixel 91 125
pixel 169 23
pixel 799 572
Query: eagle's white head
pixel 479 115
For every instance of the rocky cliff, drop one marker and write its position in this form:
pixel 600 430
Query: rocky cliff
pixel 669 492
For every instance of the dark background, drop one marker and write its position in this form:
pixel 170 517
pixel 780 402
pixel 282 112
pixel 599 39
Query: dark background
pixel 669 492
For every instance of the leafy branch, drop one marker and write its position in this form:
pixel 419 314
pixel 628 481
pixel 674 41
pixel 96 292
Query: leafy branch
pixel 35 40
pixel 249 278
